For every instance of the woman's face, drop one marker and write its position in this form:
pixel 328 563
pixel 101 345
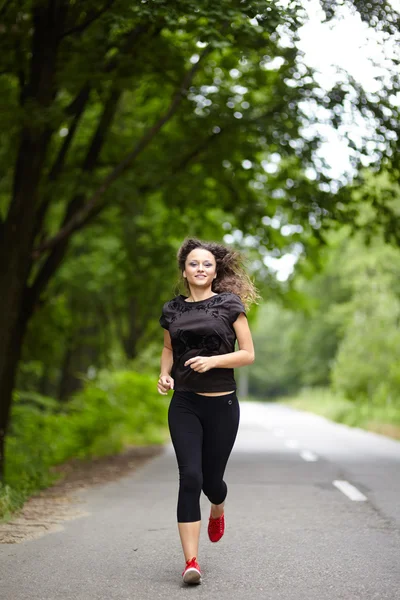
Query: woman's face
pixel 200 268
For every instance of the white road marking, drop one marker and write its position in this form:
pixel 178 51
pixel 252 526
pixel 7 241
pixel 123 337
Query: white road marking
pixel 308 456
pixel 292 444
pixel 350 491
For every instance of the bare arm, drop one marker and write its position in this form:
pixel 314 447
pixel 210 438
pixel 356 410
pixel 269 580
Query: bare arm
pixel 165 381
pixel 245 355
pixel 166 355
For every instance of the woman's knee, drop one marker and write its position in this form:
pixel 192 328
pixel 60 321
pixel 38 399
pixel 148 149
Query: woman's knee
pixel 215 491
pixel 191 480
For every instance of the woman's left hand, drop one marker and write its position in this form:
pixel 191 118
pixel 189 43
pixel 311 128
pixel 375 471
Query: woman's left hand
pixel 201 364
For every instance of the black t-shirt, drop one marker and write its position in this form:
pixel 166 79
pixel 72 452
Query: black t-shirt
pixel 203 328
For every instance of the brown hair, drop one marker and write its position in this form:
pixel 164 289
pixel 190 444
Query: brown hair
pixel 230 268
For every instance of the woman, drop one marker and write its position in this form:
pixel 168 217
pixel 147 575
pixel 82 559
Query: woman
pixel 197 362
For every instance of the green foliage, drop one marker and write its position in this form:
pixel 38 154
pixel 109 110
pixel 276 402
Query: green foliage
pixel 116 410
pixel 372 205
pixel 333 406
pixel 120 408
pixel 230 152
pixel 297 343
pixel 276 370
pixel 162 119
pixel 322 401
pixel 367 365
pixel 340 324
pixel 10 501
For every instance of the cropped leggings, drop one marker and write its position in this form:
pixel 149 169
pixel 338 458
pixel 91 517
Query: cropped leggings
pixel 203 431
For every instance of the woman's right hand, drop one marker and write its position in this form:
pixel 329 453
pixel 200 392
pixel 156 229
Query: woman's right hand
pixel 165 383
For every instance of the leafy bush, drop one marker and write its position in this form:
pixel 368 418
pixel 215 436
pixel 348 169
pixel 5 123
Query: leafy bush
pixel 122 407
pixel 117 409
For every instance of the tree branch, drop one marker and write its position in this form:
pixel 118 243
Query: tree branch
pixel 99 135
pixel 100 206
pixel 79 105
pixel 76 108
pixel 52 262
pixel 96 15
pixel 57 254
pixel 3 9
pixel 194 153
pixel 81 215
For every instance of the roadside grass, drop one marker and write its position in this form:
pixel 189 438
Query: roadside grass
pixel 366 415
pixel 116 411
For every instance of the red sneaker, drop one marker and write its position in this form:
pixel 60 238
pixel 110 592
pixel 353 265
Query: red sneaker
pixel 192 573
pixel 216 528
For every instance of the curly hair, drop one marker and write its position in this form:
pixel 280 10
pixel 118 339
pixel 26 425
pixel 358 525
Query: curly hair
pixel 230 267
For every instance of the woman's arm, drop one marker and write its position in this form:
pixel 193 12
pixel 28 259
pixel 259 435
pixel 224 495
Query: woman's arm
pixel 165 381
pixel 166 355
pixel 245 355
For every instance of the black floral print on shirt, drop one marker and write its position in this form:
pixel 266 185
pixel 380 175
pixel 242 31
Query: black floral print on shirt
pixel 188 340
pixel 210 307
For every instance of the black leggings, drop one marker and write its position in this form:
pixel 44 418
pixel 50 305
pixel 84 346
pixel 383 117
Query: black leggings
pixel 203 430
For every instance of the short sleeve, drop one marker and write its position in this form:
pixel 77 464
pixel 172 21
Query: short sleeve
pixel 163 319
pixel 236 307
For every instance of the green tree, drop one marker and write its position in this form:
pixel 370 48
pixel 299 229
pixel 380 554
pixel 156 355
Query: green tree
pixel 367 364
pixel 276 370
pixel 85 92
pixel 120 100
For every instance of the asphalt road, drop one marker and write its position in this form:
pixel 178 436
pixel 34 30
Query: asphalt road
pixel 294 531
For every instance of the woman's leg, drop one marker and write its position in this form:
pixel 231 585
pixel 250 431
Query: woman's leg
pixel 220 427
pixel 187 438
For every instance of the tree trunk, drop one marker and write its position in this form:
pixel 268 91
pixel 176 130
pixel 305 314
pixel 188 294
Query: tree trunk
pixel 10 356
pixel 65 388
pixel 79 357
pixel 17 231
pixel 130 341
pixel 46 385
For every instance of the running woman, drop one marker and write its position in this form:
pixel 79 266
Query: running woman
pixel 197 363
